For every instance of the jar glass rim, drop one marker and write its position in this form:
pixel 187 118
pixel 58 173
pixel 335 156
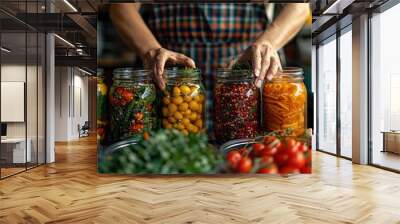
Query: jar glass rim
pixel 291 71
pixel 131 73
pixel 176 72
pixel 228 72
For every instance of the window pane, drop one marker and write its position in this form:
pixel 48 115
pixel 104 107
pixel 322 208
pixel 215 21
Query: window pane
pixel 346 94
pixel 327 97
pixel 15 150
pixel 385 88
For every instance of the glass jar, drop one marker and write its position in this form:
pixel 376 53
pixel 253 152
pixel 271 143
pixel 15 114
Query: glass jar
pixel 183 101
pixel 236 105
pixel 132 104
pixel 101 106
pixel 285 102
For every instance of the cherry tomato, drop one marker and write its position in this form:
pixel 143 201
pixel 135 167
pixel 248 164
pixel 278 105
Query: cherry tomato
pixel 279 145
pixel 257 149
pixel 233 157
pixel 292 146
pixel 289 170
pixel 306 169
pixel 120 90
pixel 139 116
pixel 267 160
pixel 281 158
pixel 245 165
pixel 272 169
pixel 127 96
pixel 268 151
pixel 100 131
pixel 303 148
pixel 297 160
pixel 243 151
pixel 269 139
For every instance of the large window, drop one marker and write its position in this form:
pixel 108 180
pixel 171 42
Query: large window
pixel 385 89
pixel 327 97
pixel 346 93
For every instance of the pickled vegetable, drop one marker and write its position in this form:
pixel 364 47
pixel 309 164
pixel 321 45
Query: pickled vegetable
pixel 183 108
pixel 284 106
pixel 101 108
pixel 235 111
pixel 132 109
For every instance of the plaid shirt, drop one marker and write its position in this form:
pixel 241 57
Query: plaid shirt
pixel 211 34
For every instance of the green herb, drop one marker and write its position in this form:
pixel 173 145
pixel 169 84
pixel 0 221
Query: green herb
pixel 165 152
pixel 242 66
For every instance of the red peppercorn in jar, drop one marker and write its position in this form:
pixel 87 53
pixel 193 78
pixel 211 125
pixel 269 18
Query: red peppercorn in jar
pixel 236 105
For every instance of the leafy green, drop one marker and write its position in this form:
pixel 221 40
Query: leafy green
pixel 242 66
pixel 166 152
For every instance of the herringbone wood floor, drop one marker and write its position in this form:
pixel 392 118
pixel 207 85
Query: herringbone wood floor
pixel 70 191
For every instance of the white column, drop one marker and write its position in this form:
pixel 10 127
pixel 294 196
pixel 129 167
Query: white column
pixel 360 90
pixel 50 92
pixel 50 100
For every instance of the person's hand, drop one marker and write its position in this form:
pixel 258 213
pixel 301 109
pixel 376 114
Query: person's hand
pixel 264 59
pixel 156 59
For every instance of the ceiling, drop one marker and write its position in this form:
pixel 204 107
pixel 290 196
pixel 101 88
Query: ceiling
pixel 73 20
pixel 332 15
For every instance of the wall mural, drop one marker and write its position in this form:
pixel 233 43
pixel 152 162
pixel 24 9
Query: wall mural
pixel 205 91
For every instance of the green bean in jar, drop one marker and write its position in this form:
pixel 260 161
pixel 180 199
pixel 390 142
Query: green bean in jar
pixel 132 99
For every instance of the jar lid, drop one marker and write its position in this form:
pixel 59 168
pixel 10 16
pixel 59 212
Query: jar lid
pixel 131 73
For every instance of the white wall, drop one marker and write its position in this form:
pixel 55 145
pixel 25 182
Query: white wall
pixel 70 83
pixel 16 73
pixel 33 127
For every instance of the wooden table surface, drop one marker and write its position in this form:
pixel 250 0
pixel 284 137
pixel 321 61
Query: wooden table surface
pixel 70 191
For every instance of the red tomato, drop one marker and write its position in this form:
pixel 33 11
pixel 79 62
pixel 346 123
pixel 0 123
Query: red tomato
pixel 269 151
pixel 292 146
pixel 233 157
pixel 279 145
pixel 120 90
pixel 269 139
pixel 136 127
pixel 289 170
pixel 303 148
pixel 127 96
pixel 281 158
pixel 297 160
pixel 245 165
pixel 139 116
pixel 258 149
pixel 243 151
pixel 272 169
pixel 306 169
pixel 267 160
pixel 100 131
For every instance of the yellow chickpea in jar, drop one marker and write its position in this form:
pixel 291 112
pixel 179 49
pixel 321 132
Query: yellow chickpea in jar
pixel 183 101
